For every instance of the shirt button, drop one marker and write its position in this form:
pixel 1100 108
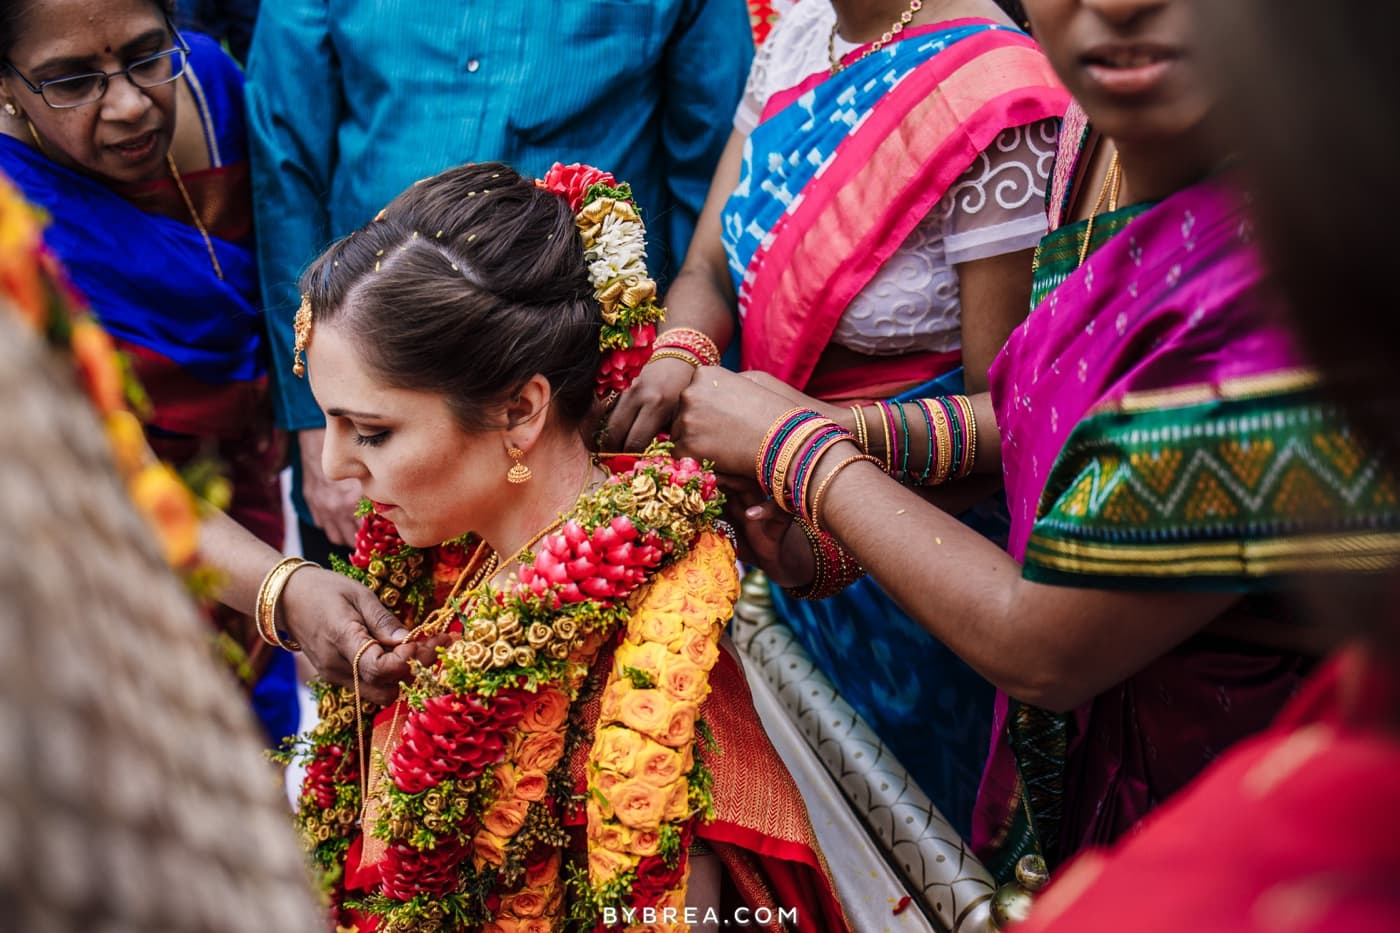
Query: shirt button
pixel 473 65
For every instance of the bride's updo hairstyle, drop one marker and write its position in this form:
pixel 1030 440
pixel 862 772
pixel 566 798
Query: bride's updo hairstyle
pixel 467 284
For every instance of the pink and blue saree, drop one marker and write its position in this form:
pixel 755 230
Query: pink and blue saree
pixel 837 173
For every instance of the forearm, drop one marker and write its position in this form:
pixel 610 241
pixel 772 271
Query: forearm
pixel 696 301
pixel 1051 646
pixel 241 559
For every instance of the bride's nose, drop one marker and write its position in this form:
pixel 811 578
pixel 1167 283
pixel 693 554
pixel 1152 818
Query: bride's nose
pixel 339 457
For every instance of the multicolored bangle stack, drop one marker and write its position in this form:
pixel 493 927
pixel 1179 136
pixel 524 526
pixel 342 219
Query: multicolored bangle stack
pixel 785 465
pixel 787 461
pixel 269 594
pixel 950 438
pixel 686 344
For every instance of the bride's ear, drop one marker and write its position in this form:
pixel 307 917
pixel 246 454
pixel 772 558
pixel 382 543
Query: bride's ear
pixel 525 412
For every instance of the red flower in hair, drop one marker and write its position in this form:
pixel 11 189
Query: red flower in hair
pixel 571 182
pixel 621 366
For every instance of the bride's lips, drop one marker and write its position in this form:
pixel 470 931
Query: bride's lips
pixel 1129 68
pixel 137 148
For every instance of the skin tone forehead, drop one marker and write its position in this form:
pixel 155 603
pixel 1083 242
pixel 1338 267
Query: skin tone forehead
pixel 347 387
pixel 68 35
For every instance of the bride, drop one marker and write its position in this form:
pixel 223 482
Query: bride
pixel 581 748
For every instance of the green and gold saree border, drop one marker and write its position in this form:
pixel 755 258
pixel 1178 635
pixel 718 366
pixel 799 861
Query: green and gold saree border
pixel 1221 486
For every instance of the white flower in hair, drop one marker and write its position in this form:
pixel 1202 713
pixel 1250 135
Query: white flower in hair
pixel 619 250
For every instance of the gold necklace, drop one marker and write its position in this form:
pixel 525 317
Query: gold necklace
pixel 885 38
pixel 539 535
pixel 1112 183
pixel 189 204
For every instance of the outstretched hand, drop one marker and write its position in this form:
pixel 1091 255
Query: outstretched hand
pixel 333 617
pixel 723 417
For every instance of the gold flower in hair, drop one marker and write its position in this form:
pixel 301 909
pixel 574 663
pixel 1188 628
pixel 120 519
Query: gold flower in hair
pixel 301 333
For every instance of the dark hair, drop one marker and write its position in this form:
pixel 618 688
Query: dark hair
pixel 468 284
pixel 1321 156
pixel 13 11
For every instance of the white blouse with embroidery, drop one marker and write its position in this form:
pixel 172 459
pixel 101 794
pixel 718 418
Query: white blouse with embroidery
pixel 997 206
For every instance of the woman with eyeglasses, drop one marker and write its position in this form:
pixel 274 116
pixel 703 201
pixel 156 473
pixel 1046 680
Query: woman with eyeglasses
pixel 132 137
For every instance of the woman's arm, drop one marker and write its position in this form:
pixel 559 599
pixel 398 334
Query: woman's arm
pixel 995 294
pixel 701 298
pixel 1048 645
pixel 331 616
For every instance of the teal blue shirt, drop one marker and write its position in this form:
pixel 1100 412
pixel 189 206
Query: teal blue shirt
pixel 351 101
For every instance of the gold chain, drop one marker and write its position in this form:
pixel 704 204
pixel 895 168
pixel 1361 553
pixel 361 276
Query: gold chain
pixel 1112 182
pixel 194 214
pixel 888 36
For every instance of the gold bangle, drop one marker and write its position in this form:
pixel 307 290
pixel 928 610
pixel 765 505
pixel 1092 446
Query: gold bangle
pixel 862 430
pixel 269 595
pixel 970 442
pixel 826 481
pixel 942 445
pixel 674 353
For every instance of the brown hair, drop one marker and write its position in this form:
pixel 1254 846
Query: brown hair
pixel 468 284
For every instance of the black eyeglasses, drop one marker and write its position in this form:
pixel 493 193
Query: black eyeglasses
pixel 80 89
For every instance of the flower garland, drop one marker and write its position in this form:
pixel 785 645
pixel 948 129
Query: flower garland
pixel 472 813
pixel 33 280
pixel 614 243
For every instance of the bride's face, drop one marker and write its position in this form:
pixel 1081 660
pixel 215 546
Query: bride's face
pixel 429 476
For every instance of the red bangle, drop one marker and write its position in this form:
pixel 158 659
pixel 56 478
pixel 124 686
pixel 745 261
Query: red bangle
pixel 692 341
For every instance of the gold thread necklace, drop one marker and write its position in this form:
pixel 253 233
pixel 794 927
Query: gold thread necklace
pixel 189 204
pixel 885 38
pixel 1112 184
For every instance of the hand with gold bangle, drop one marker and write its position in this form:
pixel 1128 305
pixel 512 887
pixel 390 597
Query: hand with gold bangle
pixel 269 595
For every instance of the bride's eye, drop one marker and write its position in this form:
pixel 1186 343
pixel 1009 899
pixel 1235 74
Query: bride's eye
pixel 371 440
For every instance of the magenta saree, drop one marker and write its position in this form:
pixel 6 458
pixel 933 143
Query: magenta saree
pixel 1160 432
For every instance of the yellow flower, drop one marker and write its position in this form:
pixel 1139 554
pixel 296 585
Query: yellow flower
pixel 679 730
pixel 659 766
pixel 128 440
pixel 170 508
pixel 637 805
pixel 489 848
pixel 648 658
pixel 661 628
pixel 683 679
pixel 645 711
pixel 96 357
pixel 615 749
pixel 699 649
pixel 604 864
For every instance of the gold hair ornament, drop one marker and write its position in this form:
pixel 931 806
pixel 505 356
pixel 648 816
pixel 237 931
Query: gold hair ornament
pixel 301 335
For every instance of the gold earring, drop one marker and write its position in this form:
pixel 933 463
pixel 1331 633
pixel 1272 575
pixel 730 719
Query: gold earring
pixel 519 472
